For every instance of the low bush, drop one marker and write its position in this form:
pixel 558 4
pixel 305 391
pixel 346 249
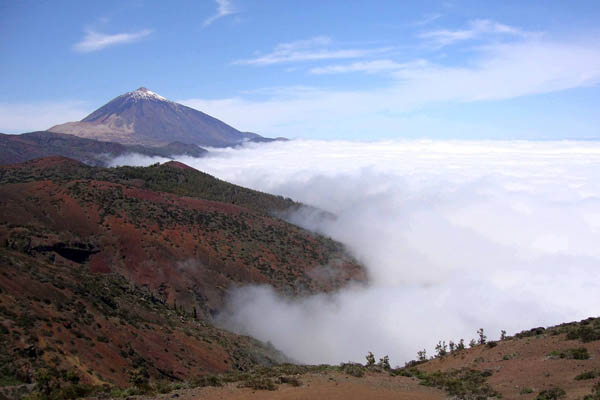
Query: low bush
pixel 463 383
pixel 290 380
pixel 587 375
pixel 551 394
pixel 585 333
pixel 595 395
pixel 580 353
pixel 258 383
pixel 353 369
pixel 206 380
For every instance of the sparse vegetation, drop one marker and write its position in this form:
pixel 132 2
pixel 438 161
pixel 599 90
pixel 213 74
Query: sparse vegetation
pixel 585 333
pixel 551 394
pixel 384 363
pixel 580 353
pixel 595 395
pixel 441 349
pixel 370 360
pixel 353 369
pixel 206 380
pixel 482 337
pixel 464 383
pixel 290 380
pixel 587 375
pixel 259 383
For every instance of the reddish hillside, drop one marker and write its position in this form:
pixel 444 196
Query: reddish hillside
pixel 104 275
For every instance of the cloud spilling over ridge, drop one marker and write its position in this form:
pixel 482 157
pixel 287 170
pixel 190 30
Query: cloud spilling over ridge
pixel 455 236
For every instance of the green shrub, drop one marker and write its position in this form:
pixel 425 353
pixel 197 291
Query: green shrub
pixel 206 380
pixel 384 363
pixel 587 375
pixel 580 353
pixel 258 383
pixel 290 380
pixel 370 359
pixel 532 332
pixel 551 394
pixel 463 383
pixel 353 369
pixel 595 393
pixel 585 333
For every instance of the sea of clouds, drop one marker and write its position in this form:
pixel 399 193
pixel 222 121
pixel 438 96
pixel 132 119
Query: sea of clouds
pixel 455 235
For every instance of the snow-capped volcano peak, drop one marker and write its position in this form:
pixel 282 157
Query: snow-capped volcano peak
pixel 144 94
pixel 147 118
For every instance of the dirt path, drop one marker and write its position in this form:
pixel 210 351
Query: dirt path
pixel 320 386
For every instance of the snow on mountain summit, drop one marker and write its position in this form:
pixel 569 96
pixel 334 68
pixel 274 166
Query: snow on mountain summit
pixel 144 94
pixel 146 118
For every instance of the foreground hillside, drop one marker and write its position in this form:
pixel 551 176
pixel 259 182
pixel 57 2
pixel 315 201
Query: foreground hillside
pixel 561 362
pixel 112 276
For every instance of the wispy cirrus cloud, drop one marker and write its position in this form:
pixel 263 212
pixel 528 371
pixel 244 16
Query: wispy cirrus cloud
pixel 476 29
pixel 94 41
pixel 316 48
pixel 369 67
pixel 224 8
pixel 427 19
pixel 496 72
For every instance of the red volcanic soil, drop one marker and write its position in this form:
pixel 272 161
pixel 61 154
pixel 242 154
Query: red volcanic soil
pixel 177 165
pixel 45 162
pixel 188 250
pixel 106 277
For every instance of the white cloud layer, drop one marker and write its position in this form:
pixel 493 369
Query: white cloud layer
pixel 94 41
pixel 224 8
pixel 456 236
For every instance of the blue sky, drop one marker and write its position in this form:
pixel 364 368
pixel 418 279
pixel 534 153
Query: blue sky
pixel 313 69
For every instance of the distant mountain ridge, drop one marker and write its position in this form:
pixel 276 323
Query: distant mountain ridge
pixel 27 146
pixel 143 117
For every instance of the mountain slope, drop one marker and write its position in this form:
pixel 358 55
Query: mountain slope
pixel 109 272
pixel 146 118
pixel 28 146
pixel 135 222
